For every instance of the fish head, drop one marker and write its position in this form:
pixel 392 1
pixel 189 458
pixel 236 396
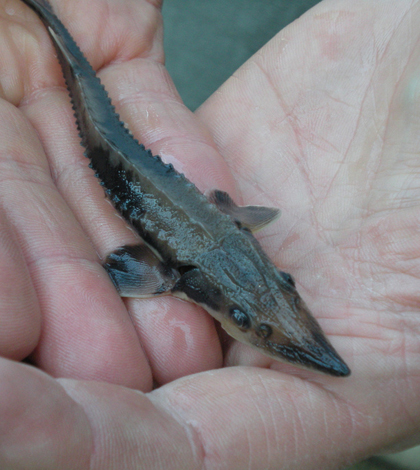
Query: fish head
pixel 259 305
pixel 280 325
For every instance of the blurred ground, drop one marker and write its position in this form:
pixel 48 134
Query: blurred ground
pixel 205 42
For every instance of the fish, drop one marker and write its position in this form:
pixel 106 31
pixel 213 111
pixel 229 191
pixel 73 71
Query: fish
pixel 200 248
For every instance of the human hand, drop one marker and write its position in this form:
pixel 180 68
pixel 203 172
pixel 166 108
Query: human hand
pixel 292 127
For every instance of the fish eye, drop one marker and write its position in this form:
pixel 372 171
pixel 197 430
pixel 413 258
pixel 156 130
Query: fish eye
pixel 264 331
pixel 288 278
pixel 240 318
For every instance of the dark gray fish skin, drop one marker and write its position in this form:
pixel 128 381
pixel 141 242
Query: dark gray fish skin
pixel 199 250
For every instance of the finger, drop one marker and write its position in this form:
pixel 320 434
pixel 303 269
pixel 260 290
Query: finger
pixel 253 418
pixel 147 101
pixel 83 426
pixel 150 105
pixel 20 317
pixel 79 313
pixel 40 426
pixel 178 337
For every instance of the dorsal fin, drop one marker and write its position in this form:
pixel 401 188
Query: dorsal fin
pixel 254 218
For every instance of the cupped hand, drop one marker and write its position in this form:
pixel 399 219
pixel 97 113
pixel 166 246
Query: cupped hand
pixel 323 122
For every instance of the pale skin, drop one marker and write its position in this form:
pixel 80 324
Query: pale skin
pixel 324 122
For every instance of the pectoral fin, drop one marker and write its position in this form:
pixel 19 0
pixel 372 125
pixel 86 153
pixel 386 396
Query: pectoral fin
pixel 137 272
pixel 254 218
pixel 194 287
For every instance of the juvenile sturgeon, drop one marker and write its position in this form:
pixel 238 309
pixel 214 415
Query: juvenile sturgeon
pixel 196 248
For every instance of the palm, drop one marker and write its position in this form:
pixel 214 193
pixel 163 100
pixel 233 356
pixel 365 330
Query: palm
pixel 334 143
pixel 328 135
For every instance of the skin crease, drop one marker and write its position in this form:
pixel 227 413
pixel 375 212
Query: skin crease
pixel 323 122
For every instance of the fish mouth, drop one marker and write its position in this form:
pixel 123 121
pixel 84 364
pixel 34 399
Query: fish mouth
pixel 318 355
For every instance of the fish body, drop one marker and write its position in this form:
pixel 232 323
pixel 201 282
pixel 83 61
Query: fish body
pixel 198 248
